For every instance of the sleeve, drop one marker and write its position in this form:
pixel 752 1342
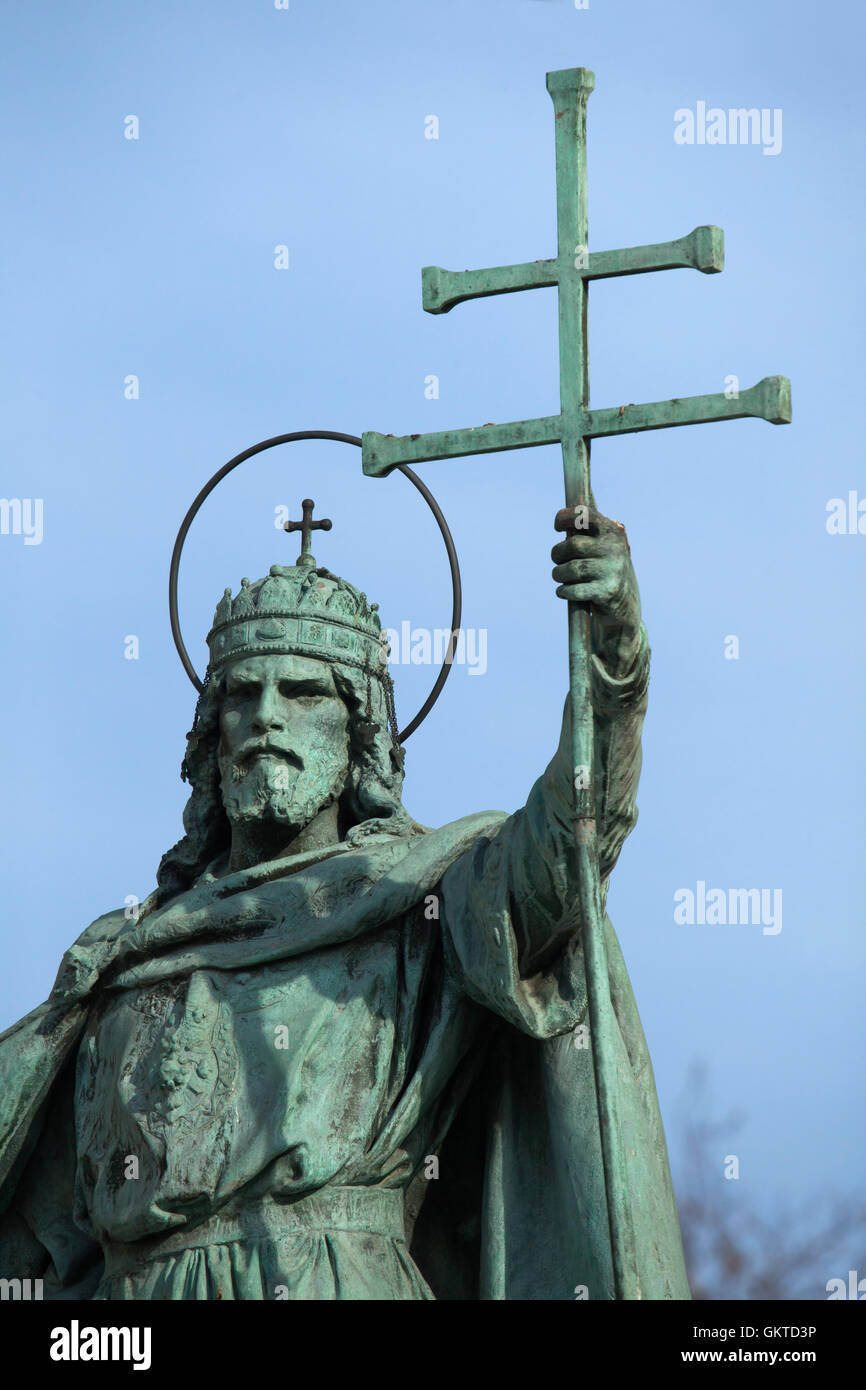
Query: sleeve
pixel 511 920
pixel 39 1238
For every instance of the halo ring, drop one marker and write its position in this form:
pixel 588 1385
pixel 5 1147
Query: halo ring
pixel 456 586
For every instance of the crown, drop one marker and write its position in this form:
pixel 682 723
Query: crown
pixel 298 610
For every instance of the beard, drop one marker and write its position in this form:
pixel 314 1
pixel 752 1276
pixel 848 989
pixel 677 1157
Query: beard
pixel 272 790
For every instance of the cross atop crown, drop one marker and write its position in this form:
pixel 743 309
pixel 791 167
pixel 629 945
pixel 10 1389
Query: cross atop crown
pixel 306 526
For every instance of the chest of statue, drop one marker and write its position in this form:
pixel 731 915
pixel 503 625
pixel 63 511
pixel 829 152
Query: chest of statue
pixel 190 1089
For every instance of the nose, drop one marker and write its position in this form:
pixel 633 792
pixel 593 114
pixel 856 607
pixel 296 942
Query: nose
pixel 268 713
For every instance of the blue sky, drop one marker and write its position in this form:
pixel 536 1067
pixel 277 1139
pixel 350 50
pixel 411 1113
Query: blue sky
pixel 155 257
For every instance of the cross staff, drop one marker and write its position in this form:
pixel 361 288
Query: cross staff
pixel 573 428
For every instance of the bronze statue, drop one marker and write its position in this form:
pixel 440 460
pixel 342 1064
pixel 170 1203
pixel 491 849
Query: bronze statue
pixel 339 1055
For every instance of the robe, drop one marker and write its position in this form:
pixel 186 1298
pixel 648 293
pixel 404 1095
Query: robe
pixel 360 1072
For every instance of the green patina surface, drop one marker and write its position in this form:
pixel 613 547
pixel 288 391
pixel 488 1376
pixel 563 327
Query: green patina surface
pixel 574 428
pixel 337 1054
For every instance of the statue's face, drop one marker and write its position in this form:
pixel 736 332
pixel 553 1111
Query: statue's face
pixel 283 750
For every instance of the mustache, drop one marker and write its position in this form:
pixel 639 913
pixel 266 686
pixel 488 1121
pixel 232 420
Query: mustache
pixel 246 755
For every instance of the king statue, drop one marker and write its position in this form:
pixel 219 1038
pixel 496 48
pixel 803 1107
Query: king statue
pixel 338 1054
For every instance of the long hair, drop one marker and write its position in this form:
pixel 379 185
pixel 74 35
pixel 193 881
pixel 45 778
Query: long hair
pixel 370 803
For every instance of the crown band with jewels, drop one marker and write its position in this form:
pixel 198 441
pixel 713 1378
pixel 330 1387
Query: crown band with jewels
pixel 298 611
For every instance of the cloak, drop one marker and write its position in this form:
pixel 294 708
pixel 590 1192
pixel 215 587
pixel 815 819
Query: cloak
pixel 518 1209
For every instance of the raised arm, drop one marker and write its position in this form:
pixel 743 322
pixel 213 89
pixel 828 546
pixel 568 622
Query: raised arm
pixel 521 883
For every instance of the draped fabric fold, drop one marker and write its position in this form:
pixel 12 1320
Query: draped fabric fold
pixel 393 1024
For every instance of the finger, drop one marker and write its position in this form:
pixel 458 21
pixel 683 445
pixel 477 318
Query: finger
pixel 582 519
pixel 581 571
pixel 586 521
pixel 581 548
pixel 581 593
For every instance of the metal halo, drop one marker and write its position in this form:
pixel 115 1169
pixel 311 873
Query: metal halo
pixel 456 587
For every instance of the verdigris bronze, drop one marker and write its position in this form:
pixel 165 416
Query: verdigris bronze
pixel 339 1055
pixel 574 428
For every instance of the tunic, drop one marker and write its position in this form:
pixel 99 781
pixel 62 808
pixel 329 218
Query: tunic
pixel 261 1097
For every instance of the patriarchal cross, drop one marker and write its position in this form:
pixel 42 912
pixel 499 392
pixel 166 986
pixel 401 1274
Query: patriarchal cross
pixel 573 428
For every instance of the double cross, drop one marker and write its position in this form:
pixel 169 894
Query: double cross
pixel 573 428
pixel 570 272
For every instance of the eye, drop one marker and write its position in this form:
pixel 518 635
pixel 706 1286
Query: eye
pixel 300 694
